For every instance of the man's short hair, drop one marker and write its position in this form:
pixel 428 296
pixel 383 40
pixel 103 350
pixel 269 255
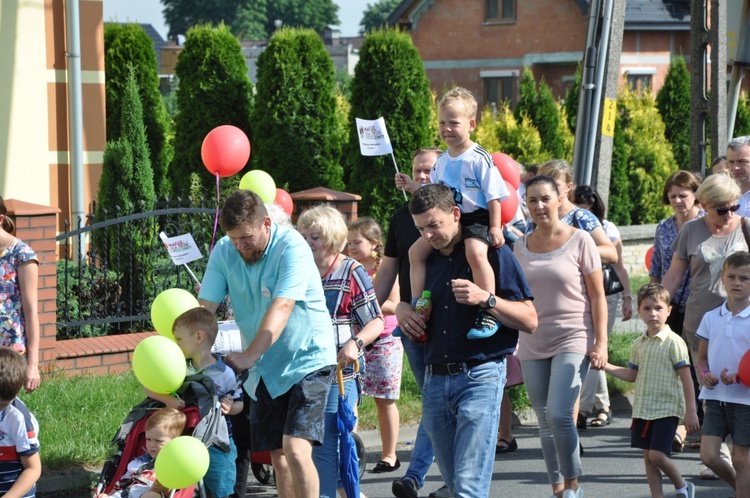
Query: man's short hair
pixel 737 260
pixel 242 207
pixel 432 196
pixel 196 319
pixel 425 150
pixel 168 420
pixel 12 373
pixel 655 292
pixel 462 95
pixel 739 142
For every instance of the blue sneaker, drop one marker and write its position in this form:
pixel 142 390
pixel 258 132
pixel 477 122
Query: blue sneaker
pixel 485 326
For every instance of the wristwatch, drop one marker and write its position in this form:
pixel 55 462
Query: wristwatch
pixel 359 342
pixel 490 303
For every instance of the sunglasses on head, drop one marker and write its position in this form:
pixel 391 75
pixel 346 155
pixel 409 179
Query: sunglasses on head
pixel 723 211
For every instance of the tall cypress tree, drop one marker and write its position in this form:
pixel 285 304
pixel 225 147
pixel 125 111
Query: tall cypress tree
pixel 295 136
pixel 389 82
pixel 547 120
pixel 673 102
pixel 527 96
pixel 128 46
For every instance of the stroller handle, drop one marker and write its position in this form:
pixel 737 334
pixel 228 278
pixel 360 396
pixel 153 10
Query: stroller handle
pixel 340 375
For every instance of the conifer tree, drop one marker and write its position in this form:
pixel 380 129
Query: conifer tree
pixel 673 102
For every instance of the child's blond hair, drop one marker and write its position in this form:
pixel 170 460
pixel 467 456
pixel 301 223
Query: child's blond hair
pixel 196 319
pixel 168 420
pixel 655 292
pixel 460 95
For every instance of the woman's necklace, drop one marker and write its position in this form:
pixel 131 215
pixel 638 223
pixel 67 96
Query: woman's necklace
pixel 330 268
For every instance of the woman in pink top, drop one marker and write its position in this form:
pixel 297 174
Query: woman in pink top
pixel 564 271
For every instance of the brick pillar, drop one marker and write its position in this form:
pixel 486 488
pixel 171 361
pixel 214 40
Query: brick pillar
pixel 37 226
pixel 345 202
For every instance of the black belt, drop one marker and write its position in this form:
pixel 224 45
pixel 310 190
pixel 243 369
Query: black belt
pixel 456 368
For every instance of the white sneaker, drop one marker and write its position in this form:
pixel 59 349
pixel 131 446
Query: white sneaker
pixel 689 492
pixel 569 493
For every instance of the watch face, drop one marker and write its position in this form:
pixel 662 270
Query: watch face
pixel 491 301
pixel 360 343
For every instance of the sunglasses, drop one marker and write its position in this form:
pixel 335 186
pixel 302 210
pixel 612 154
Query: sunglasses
pixel 723 211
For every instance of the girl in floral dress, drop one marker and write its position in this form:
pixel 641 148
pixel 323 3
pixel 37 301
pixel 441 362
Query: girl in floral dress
pixel 19 321
pixel 382 379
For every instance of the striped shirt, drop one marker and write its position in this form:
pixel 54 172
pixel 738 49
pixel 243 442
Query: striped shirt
pixel 18 438
pixel 658 389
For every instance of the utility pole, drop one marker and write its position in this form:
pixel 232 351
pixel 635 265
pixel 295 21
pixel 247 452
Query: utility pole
pixel 597 107
pixel 708 21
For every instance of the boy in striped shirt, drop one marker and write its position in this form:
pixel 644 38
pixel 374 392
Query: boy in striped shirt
pixel 664 395
pixel 20 465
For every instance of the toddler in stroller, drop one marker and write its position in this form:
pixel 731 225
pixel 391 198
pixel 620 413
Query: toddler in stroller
pixel 139 480
pixel 203 419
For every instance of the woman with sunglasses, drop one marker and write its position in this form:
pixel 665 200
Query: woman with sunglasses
pixel 701 247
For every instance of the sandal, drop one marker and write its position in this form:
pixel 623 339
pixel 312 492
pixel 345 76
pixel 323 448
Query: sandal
pixel 677 444
pixel 602 418
pixel 581 422
pixel 505 446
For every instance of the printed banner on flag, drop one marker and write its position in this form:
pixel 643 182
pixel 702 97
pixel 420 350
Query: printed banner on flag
pixel 182 249
pixel 373 137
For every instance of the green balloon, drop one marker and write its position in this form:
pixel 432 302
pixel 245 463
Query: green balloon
pixel 159 364
pixel 181 463
pixel 261 183
pixel 168 306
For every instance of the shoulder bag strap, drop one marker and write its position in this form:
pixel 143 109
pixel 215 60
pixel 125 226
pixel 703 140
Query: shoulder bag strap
pixel 743 221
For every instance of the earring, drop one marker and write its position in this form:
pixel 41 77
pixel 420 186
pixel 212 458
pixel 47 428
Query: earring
pixel 374 254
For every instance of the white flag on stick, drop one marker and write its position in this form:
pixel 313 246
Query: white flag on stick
pixel 373 137
pixel 183 250
pixel 374 140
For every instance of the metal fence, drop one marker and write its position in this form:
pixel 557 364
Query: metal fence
pixel 109 288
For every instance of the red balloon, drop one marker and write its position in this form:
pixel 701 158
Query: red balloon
pixel 509 205
pixel 284 200
pixel 649 255
pixel 743 372
pixel 225 150
pixel 508 168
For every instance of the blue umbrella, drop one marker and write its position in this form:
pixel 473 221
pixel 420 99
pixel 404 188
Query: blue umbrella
pixel 348 461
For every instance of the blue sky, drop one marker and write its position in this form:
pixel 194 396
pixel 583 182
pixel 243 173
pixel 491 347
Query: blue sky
pixel 149 12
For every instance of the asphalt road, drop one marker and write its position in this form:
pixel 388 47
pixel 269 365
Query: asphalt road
pixel 612 468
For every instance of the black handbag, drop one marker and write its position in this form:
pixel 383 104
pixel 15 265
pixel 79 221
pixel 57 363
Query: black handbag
pixel 612 284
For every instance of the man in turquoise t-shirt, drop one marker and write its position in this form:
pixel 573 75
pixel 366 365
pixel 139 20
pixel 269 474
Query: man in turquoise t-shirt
pixel 269 273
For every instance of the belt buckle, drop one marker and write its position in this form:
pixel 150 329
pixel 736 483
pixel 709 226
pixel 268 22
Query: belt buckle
pixel 454 368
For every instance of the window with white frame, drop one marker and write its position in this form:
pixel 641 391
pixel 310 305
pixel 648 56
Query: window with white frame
pixel 500 11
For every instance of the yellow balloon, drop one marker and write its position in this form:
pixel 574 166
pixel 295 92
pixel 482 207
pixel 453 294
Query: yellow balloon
pixel 169 305
pixel 181 463
pixel 261 183
pixel 159 364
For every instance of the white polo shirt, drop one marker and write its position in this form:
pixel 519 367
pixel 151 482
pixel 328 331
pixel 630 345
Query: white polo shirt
pixel 728 339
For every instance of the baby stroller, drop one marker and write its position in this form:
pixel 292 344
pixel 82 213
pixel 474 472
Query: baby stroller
pixel 204 421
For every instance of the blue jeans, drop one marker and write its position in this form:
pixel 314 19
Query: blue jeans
pixel 422 455
pixel 461 414
pixel 326 457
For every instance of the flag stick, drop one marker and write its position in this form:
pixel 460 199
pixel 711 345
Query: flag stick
pixel 397 171
pixel 190 272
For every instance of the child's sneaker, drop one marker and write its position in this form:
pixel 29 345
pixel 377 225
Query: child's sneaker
pixel 484 326
pixel 688 492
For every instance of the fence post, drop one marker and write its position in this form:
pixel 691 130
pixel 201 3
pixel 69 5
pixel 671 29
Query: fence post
pixel 37 226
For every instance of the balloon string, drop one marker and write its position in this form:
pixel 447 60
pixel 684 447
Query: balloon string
pixel 216 217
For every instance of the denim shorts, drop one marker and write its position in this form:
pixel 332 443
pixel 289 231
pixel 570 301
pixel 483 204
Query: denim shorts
pixel 722 419
pixel 297 413
pixel 653 434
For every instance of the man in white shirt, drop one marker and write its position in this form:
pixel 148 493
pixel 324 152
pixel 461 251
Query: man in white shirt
pixel 738 158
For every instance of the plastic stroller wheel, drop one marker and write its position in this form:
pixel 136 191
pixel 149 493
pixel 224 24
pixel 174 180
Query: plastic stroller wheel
pixel 361 453
pixel 262 472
